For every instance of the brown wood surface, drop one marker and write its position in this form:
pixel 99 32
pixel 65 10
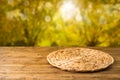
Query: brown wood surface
pixel 29 63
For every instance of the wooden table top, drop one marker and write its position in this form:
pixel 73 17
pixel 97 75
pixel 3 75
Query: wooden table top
pixel 29 63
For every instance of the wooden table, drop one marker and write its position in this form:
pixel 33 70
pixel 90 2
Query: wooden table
pixel 29 63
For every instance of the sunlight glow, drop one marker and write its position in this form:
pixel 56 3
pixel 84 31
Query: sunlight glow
pixel 70 11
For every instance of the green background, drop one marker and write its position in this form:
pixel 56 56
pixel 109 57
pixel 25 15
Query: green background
pixel 40 23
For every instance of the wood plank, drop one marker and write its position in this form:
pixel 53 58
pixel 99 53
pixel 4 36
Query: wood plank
pixel 29 63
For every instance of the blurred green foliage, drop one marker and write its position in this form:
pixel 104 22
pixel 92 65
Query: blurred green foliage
pixel 40 23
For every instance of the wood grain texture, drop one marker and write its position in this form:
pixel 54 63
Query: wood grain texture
pixel 29 63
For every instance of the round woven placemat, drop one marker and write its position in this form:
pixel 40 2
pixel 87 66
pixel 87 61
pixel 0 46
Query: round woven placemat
pixel 80 59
